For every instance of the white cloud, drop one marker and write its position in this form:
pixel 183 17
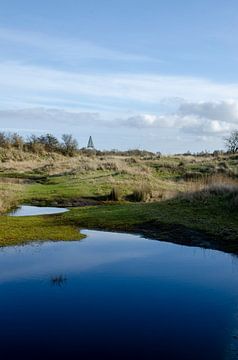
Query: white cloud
pixel 141 121
pixel 27 82
pixel 61 119
pixel 194 118
pixel 201 107
pixel 157 121
pixel 202 126
pixel 226 110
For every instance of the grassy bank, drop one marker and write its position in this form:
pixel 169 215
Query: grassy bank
pixel 207 221
pixel 185 199
pixel 20 230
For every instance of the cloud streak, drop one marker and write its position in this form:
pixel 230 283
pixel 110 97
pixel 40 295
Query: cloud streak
pixel 28 82
pixel 66 49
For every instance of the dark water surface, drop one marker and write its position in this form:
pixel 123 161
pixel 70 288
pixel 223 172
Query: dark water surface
pixel 117 296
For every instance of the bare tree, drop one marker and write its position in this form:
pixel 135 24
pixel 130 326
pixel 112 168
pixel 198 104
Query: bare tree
pixel 231 142
pixel 70 144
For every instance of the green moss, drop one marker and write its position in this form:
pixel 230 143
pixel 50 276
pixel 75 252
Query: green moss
pixel 20 230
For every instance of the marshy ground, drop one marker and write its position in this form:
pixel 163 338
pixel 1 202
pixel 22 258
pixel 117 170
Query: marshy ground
pixel 186 199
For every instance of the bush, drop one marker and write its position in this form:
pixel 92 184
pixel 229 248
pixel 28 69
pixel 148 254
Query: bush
pixel 39 144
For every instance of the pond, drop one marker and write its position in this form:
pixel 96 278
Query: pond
pixel 117 296
pixel 29 210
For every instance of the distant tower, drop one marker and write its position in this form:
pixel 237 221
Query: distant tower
pixel 90 143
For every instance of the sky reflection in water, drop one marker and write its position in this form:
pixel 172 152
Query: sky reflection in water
pixel 117 296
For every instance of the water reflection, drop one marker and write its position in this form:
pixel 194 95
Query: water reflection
pixel 127 297
pixel 27 210
pixel 58 280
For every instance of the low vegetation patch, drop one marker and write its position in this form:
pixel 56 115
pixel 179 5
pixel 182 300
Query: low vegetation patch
pixel 142 193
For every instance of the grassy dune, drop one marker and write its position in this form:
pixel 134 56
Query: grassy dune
pixel 175 197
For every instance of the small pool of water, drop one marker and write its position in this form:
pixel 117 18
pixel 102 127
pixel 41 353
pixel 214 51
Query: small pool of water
pixel 28 210
pixel 117 296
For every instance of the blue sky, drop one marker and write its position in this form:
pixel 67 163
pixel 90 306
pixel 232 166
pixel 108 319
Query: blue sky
pixel 160 75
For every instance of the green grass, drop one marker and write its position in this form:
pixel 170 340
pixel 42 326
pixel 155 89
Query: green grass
pixel 211 215
pixel 90 185
pixel 72 186
pixel 20 230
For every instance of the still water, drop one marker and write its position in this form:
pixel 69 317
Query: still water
pixel 117 296
pixel 28 210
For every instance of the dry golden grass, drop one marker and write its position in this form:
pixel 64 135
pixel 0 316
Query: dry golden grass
pixel 9 196
pixel 167 176
pixel 216 185
pixel 56 164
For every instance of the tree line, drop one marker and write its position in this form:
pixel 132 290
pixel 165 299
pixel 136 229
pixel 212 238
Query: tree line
pixel 39 144
pixel 68 145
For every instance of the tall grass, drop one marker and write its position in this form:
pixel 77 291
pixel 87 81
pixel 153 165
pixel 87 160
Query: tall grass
pixel 9 198
pixel 114 194
pixel 141 193
pixel 214 186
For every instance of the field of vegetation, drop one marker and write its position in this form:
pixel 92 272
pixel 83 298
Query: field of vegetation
pixel 185 198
